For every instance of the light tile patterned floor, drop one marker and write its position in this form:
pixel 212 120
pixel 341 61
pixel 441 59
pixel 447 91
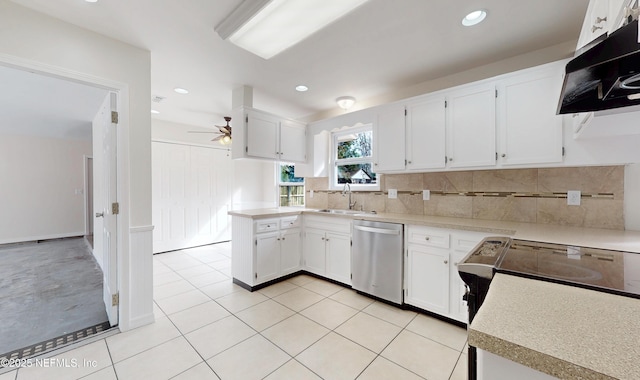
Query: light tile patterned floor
pixel 303 328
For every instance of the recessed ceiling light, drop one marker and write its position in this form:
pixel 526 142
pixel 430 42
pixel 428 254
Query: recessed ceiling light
pixel 301 88
pixel 182 91
pixel 155 112
pixel 474 17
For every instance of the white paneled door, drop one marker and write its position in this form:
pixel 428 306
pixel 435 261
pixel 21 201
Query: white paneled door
pixel 191 196
pixel 105 202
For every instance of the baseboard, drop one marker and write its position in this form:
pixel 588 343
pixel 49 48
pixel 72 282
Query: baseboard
pixel 33 239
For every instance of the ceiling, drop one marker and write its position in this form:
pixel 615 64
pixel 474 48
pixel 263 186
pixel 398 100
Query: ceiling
pixel 39 105
pixel 381 47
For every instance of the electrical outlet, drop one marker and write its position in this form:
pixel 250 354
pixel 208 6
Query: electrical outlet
pixel 426 195
pixel 573 197
pixel 393 193
pixel 310 193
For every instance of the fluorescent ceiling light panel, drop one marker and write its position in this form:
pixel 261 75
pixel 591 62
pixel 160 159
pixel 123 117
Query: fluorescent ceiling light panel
pixel 280 24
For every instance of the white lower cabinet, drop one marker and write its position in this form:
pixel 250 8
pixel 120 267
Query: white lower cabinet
pixel 431 267
pixel 327 247
pixel 265 249
pixel 428 278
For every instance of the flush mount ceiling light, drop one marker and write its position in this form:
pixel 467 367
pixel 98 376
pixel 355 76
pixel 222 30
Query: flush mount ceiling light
pixel 302 88
pixel 474 18
pixel 268 27
pixel 155 112
pixel 180 90
pixel 91 1
pixel 346 102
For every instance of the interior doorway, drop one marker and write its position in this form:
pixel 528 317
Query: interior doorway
pixel 53 231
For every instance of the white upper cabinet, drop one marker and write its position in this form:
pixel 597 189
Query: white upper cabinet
pixel 471 126
pixel 425 130
pixel 603 16
pixel 262 135
pixel 530 132
pixel 265 136
pixel 595 22
pixel 292 141
pixel 389 138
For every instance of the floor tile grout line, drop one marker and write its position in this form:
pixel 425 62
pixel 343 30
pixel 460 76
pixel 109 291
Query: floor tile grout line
pixel 324 297
pixel 194 349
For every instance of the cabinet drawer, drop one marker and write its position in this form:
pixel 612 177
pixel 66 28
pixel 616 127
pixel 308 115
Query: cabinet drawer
pixel 266 225
pixel 431 237
pixel 290 222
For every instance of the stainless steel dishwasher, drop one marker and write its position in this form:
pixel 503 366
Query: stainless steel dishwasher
pixel 377 259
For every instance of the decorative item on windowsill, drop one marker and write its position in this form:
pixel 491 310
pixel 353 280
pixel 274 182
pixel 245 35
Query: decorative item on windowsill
pixel 225 132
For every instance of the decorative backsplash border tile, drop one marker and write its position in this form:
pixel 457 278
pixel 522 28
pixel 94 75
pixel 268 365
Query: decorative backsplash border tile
pixel 519 195
pixel 501 194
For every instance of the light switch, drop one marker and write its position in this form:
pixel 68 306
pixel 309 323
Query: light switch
pixel 393 193
pixel 573 197
pixel 426 195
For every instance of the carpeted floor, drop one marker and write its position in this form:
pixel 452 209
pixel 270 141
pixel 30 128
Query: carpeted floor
pixel 47 290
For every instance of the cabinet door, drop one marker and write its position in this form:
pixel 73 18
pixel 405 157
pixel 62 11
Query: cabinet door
pixel 267 257
pixel 596 22
pixel 314 255
pixel 428 278
pixel 262 135
pixel 338 253
pixel 293 141
pixel 426 134
pixel 389 139
pixel 471 126
pixel 530 131
pixel 290 251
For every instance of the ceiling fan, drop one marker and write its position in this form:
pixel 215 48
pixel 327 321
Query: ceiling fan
pixel 225 132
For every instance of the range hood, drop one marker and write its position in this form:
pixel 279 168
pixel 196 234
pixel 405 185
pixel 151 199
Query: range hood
pixel 606 76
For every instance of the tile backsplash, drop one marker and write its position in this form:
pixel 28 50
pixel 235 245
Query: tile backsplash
pixel 520 195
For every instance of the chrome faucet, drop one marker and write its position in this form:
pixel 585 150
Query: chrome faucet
pixel 347 189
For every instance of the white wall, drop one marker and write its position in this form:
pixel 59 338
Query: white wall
pixel 45 44
pixel 632 197
pixel 253 181
pixel 40 177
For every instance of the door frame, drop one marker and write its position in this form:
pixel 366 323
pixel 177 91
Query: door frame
pixel 122 157
pixel 88 195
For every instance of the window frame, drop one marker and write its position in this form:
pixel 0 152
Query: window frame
pixel 281 184
pixel 335 162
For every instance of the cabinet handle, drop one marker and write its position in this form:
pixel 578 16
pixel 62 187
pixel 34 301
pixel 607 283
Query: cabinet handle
pixel 278 238
pixel 375 164
pixel 446 261
pixel 594 28
pixel 600 19
pixel 426 238
pixel 283 238
pixel 326 239
pixel 503 155
pixel 323 238
pixel 450 159
pixel 409 162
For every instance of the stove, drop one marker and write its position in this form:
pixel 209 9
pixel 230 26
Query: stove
pixel 597 269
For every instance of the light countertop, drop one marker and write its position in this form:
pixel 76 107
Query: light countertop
pixel 564 331
pixel 619 240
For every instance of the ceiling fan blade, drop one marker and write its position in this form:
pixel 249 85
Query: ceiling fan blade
pixel 202 132
pixel 218 138
pixel 225 130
